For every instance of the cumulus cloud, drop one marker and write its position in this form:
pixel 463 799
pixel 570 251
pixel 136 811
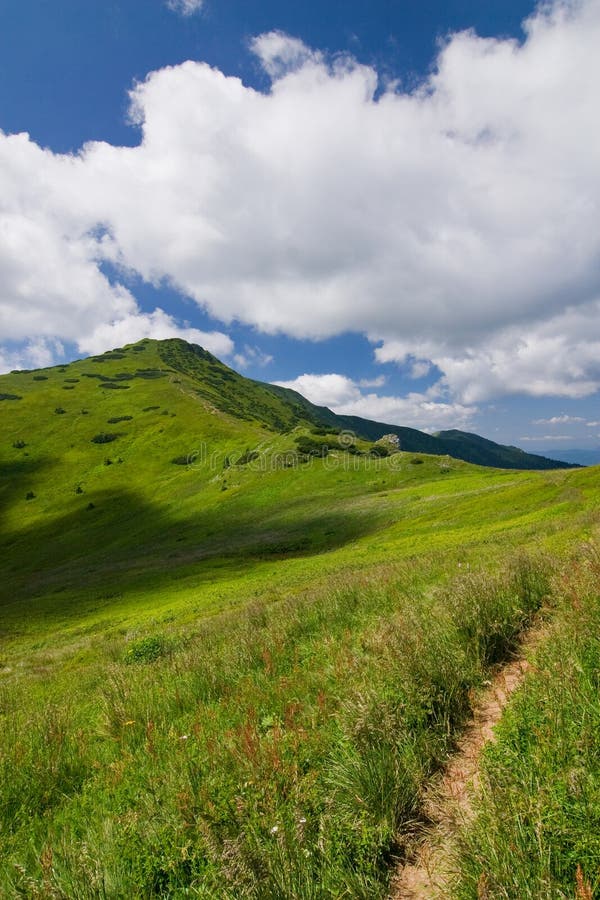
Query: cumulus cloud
pixel 252 356
pixel 457 225
pixel 34 354
pixel 185 7
pixel 157 325
pixel 420 368
pixel 425 411
pixel 279 53
pixel 547 437
pixel 372 382
pixel 558 420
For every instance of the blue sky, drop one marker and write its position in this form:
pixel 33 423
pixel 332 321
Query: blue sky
pixel 392 206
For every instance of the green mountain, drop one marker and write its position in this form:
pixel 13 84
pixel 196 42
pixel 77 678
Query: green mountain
pixel 154 456
pixel 458 444
pixel 221 390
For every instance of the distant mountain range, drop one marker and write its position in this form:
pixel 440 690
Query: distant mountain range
pixel 578 455
pixel 459 444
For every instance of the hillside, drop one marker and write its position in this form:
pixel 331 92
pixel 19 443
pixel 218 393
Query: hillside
pixel 234 648
pixel 458 444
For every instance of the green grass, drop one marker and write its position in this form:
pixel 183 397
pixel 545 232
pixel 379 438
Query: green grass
pixel 279 752
pixel 233 677
pixel 537 832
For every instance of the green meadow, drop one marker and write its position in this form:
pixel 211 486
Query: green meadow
pixel 237 645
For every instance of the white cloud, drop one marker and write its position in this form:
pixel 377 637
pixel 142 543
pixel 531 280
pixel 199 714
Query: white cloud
pixel 558 420
pixel 372 382
pixel 279 53
pixel 420 368
pixel 592 424
pixel 157 325
pixel 185 7
pixel 458 225
pixel 344 396
pixel 548 437
pixel 34 354
pixel 252 356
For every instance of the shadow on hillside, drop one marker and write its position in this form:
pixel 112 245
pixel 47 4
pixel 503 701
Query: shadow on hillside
pixel 114 542
pixel 17 477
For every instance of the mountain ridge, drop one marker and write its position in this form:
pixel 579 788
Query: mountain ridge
pixel 281 409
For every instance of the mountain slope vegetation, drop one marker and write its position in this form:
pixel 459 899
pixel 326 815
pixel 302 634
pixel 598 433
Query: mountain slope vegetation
pixel 235 647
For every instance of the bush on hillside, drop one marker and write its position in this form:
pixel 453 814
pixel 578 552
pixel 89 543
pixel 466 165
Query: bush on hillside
pixel 18 445
pixel 308 446
pixel 148 649
pixel 40 378
pixel 10 397
pixel 247 457
pixel 106 356
pixel 116 419
pixel 104 438
pixel 378 450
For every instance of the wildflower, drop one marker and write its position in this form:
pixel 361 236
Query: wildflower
pixel 274 829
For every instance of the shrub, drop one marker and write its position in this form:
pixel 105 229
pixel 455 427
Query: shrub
pixel 78 489
pixel 30 495
pixel 60 411
pixel 91 505
pixel 417 461
pixel 379 450
pixel 104 438
pixel 181 460
pixel 18 445
pixel 150 408
pixel 308 446
pixel 114 387
pixel 147 649
pixel 247 457
pixel 10 397
pixel 108 461
pixel 40 378
pixel 116 419
pixel 150 373
pixel 84 412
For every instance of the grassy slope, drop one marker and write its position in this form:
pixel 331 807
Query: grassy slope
pixel 537 830
pixel 165 546
pixel 222 535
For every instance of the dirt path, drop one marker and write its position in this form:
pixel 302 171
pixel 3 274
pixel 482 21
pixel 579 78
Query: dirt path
pixel 447 803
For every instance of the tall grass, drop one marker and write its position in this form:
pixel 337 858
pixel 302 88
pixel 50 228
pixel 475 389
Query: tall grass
pixel 537 831
pixel 280 753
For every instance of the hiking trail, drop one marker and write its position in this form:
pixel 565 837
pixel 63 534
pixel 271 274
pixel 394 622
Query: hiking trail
pixel 426 874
